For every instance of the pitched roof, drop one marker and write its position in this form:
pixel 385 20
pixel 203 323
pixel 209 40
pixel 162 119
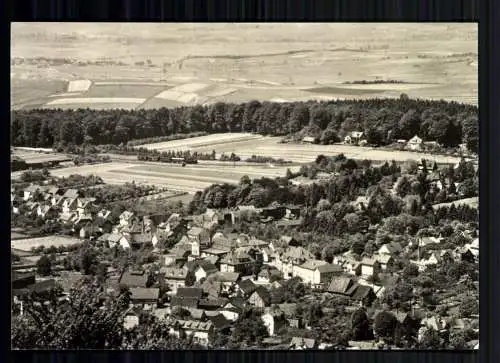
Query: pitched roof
pixel 263 293
pixel 247 286
pixel 207 266
pixel 299 342
pixel 383 258
pixel 71 193
pixel 142 293
pixel 360 292
pixel 189 292
pixel 212 303
pixel 184 301
pixel 340 284
pixel 393 247
pixel 329 267
pixel 220 322
pixel 195 325
pixel 368 261
pixel 196 313
pixel 114 237
pixel 313 264
pixel 228 276
pixel 134 278
pixel 173 273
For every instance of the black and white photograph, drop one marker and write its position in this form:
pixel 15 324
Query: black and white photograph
pixel 244 186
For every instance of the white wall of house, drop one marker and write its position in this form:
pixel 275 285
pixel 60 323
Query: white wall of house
pixel 230 315
pixel 306 275
pixel 200 274
pixel 124 243
pixel 268 321
pixel 367 270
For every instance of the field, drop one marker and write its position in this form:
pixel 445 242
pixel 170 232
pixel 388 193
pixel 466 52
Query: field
pixel 173 65
pixel 28 243
pixel 246 145
pixel 471 202
pixel 39 157
pixel 190 178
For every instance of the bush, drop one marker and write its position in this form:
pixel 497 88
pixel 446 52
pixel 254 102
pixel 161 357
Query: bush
pixel 44 266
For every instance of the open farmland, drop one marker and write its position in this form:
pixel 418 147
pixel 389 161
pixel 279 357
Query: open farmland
pixel 246 145
pixel 173 65
pixel 39 157
pixel 190 178
pixel 56 241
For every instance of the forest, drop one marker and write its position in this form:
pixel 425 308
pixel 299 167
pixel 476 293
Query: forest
pixel 382 121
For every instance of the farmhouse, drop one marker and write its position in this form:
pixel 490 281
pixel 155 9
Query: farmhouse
pixel 147 297
pixel 315 272
pixel 260 298
pixel 354 137
pixel 369 267
pixel 309 140
pixel 134 278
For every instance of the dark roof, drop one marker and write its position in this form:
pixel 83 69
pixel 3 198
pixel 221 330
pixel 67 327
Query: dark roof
pixel 238 304
pixel 142 293
pixel 189 292
pixel 220 322
pixel 247 286
pixel 212 303
pixel 207 266
pixel 71 193
pixel 263 293
pixel 191 302
pixel 16 276
pixel 361 292
pixel 134 279
pixel 340 284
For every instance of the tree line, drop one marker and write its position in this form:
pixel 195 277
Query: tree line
pixel 382 121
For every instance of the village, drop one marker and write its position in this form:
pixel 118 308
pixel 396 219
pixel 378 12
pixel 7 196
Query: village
pixel 204 283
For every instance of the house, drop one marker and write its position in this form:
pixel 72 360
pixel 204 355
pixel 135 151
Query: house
pixel 246 287
pixel 131 320
pixel 85 206
pixel 200 235
pixel 260 298
pixel 126 218
pixel 309 140
pixel 173 277
pixel 228 279
pixel 292 256
pixel 220 323
pixel 88 231
pixel 54 191
pixel 212 303
pixel 299 343
pixel 71 194
pixel 105 214
pixel 57 201
pixel 30 191
pixel 289 241
pixel 187 297
pixel 355 137
pixel 232 309
pixel 200 331
pixel 204 269
pixel 315 272
pixel 369 267
pixel 67 217
pixel 69 205
pixel 345 286
pixel 134 278
pixel 241 260
pixel 112 239
pixel 385 261
pixel 273 320
pixel 135 240
pixel 46 212
pixel 415 143
pixel 264 276
pixel 147 297
pixel 392 248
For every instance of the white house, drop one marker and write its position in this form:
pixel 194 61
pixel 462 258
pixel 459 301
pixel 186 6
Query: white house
pixel 391 249
pixel 272 322
pixel 369 267
pixel 315 272
pixel 204 269
pixel 200 331
pixel 415 143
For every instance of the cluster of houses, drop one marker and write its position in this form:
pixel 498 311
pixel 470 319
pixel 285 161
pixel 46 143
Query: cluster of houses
pixel 212 274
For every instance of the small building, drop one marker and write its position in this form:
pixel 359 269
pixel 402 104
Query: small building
pixel 273 320
pixel 415 143
pixel 173 277
pixel 316 272
pixel 147 297
pixel 300 343
pixel 309 140
pixel 204 269
pixel 260 298
pixel 232 309
pixel 369 267
pixel 391 249
pixel 134 278
pixel 246 287
pixel 385 261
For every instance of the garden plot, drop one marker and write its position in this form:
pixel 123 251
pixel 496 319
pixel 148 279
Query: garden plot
pixel 79 86
pixel 197 142
pixel 129 90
